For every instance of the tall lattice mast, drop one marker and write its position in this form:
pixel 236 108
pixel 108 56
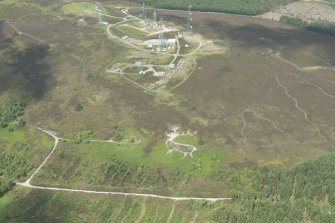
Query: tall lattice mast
pixel 189 21
pixel 144 12
pixel 161 33
pixel 155 16
pixel 98 10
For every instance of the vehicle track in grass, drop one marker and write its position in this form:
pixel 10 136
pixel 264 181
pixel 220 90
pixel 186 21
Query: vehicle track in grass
pixel 299 108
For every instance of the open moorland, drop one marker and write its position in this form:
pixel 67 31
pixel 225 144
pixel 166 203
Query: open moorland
pixel 133 118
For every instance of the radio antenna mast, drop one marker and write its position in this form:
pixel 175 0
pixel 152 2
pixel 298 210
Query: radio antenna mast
pixel 189 21
pixel 144 12
pixel 155 16
pixel 98 10
pixel 161 33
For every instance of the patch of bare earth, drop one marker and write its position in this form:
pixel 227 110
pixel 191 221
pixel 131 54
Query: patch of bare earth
pixel 307 10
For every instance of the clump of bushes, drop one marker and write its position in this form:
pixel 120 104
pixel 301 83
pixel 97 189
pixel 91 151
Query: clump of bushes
pixel 5 186
pixel 10 111
pixel 199 205
pixel 323 27
pixel 84 137
pixel 118 138
pixel 78 107
pixel 21 123
pixel 13 166
pixel 201 142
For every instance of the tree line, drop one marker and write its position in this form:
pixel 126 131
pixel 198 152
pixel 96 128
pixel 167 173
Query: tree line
pixel 304 193
pixel 320 26
pixel 5 186
pixel 243 7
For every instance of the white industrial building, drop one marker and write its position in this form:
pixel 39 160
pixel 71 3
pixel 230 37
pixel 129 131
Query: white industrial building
pixel 157 43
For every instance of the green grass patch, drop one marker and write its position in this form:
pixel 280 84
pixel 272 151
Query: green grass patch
pixel 162 60
pixel 136 23
pixel 12 137
pixel 209 159
pixel 103 152
pixel 174 160
pixel 81 9
pixel 165 97
pixel 203 162
pixel 130 31
pixel 187 139
pixel 120 57
pixel 131 152
pixel 135 77
pixel 135 70
pixel 173 82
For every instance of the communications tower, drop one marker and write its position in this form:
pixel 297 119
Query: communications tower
pixel 98 10
pixel 144 13
pixel 189 21
pixel 161 33
pixel 155 16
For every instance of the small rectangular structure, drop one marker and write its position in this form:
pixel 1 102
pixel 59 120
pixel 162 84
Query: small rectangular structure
pixel 159 74
pixel 138 63
pixel 171 42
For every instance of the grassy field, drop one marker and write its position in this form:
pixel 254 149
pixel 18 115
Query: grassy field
pixel 135 71
pixel 99 164
pixel 187 139
pixel 130 31
pixel 12 137
pixel 78 9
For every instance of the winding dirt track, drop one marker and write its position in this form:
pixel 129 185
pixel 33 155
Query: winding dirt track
pixel 298 107
pixel 28 184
